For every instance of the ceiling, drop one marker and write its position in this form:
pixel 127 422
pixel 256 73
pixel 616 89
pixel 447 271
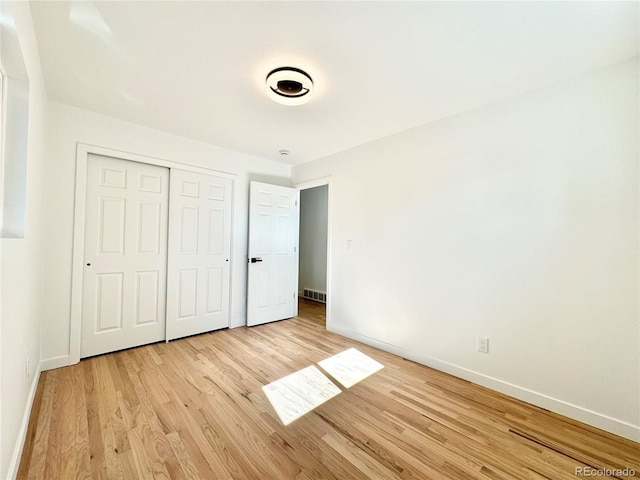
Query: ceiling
pixel 197 69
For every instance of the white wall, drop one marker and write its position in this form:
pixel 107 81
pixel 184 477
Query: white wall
pixel 21 271
pixel 67 126
pixel 313 238
pixel 517 221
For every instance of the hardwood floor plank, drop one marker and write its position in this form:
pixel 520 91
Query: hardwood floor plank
pixel 194 409
pixel 96 446
pixel 106 406
pixel 44 407
pixel 354 455
pixel 53 461
pixel 186 464
pixel 81 427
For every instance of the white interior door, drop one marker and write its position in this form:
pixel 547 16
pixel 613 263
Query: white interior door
pixel 125 255
pixel 199 253
pixel 272 289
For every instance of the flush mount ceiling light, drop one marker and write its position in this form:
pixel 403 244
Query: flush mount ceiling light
pixel 289 86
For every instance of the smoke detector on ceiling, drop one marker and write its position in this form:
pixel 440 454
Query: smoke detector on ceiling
pixel 289 86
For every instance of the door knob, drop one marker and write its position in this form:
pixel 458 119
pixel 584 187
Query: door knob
pixel 255 259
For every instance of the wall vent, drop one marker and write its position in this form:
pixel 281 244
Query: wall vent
pixel 314 295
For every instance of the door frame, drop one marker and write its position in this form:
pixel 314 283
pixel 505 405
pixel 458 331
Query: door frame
pixel 83 150
pixel 319 182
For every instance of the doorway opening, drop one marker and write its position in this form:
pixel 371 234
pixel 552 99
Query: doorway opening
pixel 313 291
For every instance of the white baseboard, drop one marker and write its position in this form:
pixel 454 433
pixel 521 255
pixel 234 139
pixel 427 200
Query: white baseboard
pixel 55 362
pixel 24 425
pixel 604 422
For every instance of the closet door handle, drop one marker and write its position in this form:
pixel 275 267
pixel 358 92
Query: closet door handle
pixel 255 259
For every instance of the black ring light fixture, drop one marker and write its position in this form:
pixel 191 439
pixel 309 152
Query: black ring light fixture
pixel 289 86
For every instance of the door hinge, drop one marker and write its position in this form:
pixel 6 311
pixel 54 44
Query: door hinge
pixel 294 294
pixel 296 203
pixel 295 249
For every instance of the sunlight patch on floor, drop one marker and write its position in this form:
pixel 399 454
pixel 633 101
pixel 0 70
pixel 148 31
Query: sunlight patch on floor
pixel 299 393
pixel 350 367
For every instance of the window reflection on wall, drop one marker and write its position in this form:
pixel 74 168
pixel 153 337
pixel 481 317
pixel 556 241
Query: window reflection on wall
pixel 14 125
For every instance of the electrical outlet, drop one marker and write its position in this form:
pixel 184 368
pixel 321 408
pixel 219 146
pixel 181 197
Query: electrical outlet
pixel 483 344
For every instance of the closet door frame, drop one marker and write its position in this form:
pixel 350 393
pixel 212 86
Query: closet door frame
pixel 83 151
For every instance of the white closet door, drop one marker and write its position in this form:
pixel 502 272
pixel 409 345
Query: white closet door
pixel 125 255
pixel 199 253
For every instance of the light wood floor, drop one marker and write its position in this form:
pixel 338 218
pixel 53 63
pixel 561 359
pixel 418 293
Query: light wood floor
pixel 194 409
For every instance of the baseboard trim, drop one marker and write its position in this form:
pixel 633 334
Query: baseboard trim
pixel 24 425
pixel 595 419
pixel 55 362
